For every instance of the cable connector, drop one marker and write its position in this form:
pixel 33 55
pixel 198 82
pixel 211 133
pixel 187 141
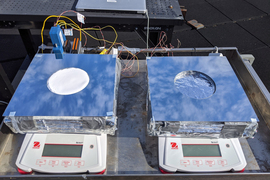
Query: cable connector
pixel 104 51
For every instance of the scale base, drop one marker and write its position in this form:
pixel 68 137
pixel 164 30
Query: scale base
pixel 63 153
pixel 200 155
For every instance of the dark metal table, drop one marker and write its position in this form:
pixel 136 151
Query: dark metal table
pixel 30 14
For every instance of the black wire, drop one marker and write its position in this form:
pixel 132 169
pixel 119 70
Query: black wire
pixel 3 103
pixel 97 38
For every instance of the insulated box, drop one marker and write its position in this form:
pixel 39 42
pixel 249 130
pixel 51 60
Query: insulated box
pixel 76 94
pixel 197 97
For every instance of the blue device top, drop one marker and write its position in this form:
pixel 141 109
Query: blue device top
pixel 58 39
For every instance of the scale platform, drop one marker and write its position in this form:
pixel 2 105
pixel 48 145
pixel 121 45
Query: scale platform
pixel 200 155
pixel 138 6
pixel 63 153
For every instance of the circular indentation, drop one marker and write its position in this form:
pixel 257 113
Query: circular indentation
pixel 227 145
pixel 195 84
pixel 91 146
pixel 68 81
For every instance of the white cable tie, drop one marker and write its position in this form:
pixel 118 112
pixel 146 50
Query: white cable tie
pixel 216 49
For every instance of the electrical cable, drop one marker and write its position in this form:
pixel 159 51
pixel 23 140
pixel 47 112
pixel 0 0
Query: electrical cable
pixel 132 58
pixel 138 68
pixel 101 35
pixel 3 102
pixel 113 43
pixel 73 12
pixel 44 22
pixel 116 35
pixel 97 37
pixel 84 31
pixel 95 29
pixel 147 31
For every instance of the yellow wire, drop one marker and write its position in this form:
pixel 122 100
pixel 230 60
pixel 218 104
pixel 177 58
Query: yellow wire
pixel 63 22
pixel 71 25
pixel 95 29
pixel 77 27
pixel 84 30
pixel 42 40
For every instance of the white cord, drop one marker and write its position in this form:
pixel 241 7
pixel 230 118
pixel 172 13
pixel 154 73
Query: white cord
pixel 216 49
pixel 147 32
pixel 3 102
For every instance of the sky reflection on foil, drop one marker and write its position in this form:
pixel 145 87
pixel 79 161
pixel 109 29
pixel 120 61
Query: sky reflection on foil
pixel 33 98
pixel 229 103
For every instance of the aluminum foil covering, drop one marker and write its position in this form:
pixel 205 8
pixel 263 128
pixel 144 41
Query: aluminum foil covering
pixel 35 109
pixel 187 129
pixel 62 125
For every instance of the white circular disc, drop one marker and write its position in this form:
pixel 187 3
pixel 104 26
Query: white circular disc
pixel 68 81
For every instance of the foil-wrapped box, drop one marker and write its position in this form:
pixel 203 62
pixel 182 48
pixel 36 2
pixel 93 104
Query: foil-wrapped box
pixel 76 94
pixel 197 97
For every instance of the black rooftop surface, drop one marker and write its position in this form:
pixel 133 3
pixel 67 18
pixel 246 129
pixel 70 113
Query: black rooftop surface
pixel 262 5
pixel 244 24
pixel 258 27
pixel 204 12
pixel 231 34
pixel 236 9
pixel 190 38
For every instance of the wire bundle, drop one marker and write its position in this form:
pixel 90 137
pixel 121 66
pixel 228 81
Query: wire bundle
pixel 131 57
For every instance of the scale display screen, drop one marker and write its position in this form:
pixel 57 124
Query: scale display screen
pixel 197 150
pixel 59 150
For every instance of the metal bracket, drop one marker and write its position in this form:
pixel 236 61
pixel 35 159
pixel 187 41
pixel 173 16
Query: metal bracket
pixel 249 57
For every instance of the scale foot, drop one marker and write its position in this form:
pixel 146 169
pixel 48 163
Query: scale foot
pixel 238 171
pixel 164 172
pixel 24 172
pixel 102 172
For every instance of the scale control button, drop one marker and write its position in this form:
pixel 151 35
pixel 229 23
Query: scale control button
pixel 210 162
pixel 222 162
pixel 197 162
pixel 66 163
pixel 41 162
pixel 79 163
pixel 91 146
pixel 184 162
pixel 53 163
pixel 227 145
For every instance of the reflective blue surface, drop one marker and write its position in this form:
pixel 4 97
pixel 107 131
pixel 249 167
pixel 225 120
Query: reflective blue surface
pixel 33 98
pixel 229 103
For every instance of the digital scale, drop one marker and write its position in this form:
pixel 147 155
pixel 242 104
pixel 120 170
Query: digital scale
pixel 63 153
pixel 198 97
pixel 200 155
